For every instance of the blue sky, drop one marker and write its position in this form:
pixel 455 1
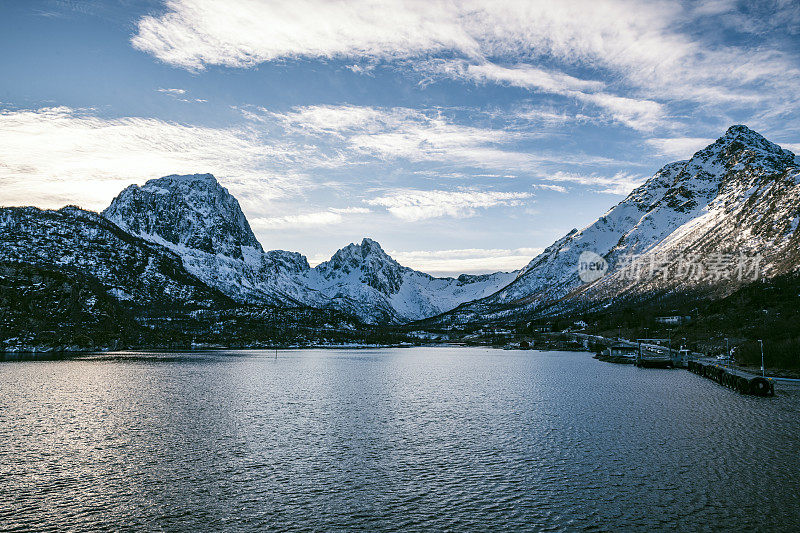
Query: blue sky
pixel 463 136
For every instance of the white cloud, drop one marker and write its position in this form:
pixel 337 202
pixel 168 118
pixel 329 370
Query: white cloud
pixel 636 113
pixel 679 147
pixel 172 91
pixel 466 261
pixel 351 210
pixel 240 33
pixel 53 156
pixel 619 183
pixel 408 133
pixel 306 220
pixel 526 76
pixel 413 205
pixel 646 50
pixel 420 135
pixel 556 188
pixel 332 119
pixel 334 215
pixel 794 147
pixel 195 33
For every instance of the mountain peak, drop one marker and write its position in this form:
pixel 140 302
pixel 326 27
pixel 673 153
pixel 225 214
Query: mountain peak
pixel 191 210
pixel 368 246
pixel 185 181
pixel 744 147
pixel 737 129
pixel 369 251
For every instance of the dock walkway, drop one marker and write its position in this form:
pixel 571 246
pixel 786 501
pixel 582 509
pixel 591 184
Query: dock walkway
pixel 736 379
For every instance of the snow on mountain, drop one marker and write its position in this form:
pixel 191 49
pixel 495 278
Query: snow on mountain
pixel 193 211
pixel 202 222
pixel 177 238
pixel 741 192
pixel 72 279
pixel 127 267
pixel 366 280
pixel 198 219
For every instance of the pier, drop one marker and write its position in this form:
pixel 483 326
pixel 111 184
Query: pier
pixel 647 353
pixel 738 380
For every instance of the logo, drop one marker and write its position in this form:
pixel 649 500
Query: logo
pixel 591 267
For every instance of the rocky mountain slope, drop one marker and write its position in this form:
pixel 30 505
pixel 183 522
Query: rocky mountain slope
pixel 199 220
pixel 71 279
pixel 130 268
pixel 688 228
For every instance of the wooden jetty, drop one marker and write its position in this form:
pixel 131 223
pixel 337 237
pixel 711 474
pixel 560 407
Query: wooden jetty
pixel 738 380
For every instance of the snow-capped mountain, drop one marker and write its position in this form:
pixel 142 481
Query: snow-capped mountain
pixel 184 240
pixel 73 280
pixel 198 219
pixel 740 194
pixel 192 211
pixel 365 280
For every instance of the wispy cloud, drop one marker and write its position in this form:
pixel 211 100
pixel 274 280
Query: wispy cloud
pixel 329 217
pixel 466 260
pixel 172 91
pixel 550 187
pixel 413 205
pixel 422 136
pixel 637 113
pixel 679 147
pixel 644 54
pixel 619 183
pixel 53 156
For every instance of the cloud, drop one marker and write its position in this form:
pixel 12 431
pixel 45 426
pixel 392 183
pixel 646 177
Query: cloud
pixel 421 136
pixel 794 147
pixel 242 33
pixel 619 183
pixel 636 113
pixel 526 76
pixel 195 33
pixel 466 261
pixel 334 215
pixel 321 218
pixel 411 134
pixel 678 147
pixel 339 119
pixel 351 210
pixel 645 53
pixel 53 156
pixel 556 188
pixel 412 205
pixel 172 91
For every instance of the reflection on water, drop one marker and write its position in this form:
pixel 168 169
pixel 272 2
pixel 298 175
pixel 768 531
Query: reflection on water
pixel 396 439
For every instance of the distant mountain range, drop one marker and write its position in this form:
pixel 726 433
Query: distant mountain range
pixel 199 220
pixel 180 246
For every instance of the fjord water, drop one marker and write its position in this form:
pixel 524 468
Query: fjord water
pixel 388 439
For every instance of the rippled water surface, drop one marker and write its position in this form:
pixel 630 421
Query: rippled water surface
pixel 396 439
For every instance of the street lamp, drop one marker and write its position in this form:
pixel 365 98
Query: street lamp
pixel 761 343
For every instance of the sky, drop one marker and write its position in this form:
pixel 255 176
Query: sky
pixel 464 136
